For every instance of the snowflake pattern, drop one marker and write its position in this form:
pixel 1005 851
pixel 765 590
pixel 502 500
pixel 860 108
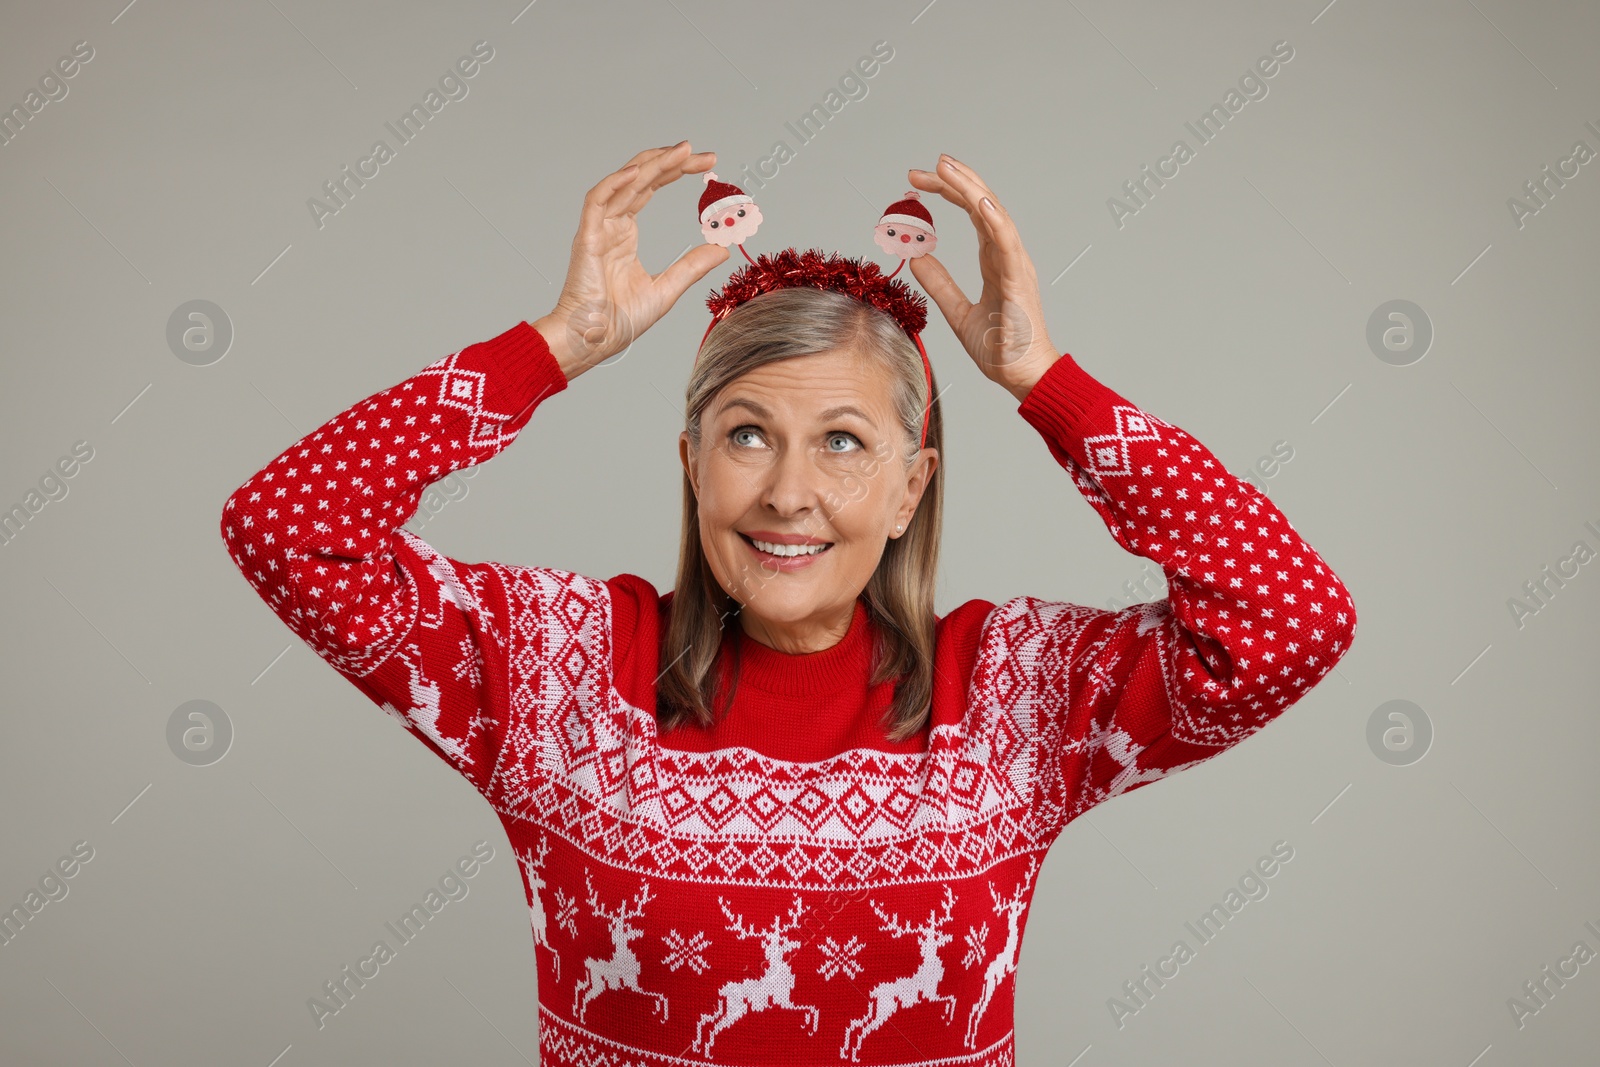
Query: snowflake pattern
pixel 977 945
pixel 686 951
pixel 469 668
pixel 840 959
pixel 567 912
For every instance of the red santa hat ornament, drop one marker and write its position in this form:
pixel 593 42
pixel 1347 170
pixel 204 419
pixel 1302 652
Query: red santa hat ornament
pixel 727 214
pixel 906 229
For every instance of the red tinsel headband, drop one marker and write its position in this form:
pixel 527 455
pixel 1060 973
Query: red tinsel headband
pixel 728 216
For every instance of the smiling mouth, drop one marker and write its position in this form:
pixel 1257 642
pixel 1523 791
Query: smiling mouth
pixel 786 552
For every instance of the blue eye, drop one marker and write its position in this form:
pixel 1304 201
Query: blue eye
pixel 843 437
pixel 739 431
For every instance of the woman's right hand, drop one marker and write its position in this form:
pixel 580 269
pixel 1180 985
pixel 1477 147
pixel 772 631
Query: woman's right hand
pixel 609 299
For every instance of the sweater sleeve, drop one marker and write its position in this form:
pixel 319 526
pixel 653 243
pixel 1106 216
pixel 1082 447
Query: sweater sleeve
pixel 317 533
pixel 1253 618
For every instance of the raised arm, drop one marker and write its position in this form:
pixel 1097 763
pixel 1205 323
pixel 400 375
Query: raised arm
pixel 1110 701
pixel 317 532
pixel 1254 617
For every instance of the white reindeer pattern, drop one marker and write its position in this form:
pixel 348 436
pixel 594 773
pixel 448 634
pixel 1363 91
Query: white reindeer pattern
pixel 621 970
pixel 771 989
pixel 897 993
pixel 533 867
pixel 424 712
pixel 446 585
pixel 1005 962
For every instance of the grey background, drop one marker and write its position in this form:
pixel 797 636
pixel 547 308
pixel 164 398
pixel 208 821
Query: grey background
pixel 1378 167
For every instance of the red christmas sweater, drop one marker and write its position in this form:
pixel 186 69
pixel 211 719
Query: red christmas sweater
pixel 787 887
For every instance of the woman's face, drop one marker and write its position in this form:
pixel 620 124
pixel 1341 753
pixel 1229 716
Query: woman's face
pixel 802 455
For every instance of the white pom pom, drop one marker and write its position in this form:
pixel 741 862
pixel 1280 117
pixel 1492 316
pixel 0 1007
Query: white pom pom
pixel 914 194
pixel 710 176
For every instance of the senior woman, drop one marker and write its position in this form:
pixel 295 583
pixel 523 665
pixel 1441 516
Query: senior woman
pixel 784 813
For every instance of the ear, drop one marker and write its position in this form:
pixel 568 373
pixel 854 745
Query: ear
pixel 917 480
pixel 690 462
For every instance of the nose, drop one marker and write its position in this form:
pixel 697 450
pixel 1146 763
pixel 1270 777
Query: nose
pixel 905 237
pixel 794 486
pixel 728 221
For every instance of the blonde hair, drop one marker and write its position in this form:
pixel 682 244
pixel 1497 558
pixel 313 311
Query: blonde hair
pixel 899 596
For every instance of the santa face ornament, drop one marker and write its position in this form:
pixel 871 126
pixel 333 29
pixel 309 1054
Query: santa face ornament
pixel 727 215
pixel 906 229
pixel 903 241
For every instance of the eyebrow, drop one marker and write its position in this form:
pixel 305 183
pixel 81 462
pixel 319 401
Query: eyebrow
pixel 831 413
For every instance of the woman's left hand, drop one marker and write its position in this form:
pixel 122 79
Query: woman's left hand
pixel 1004 331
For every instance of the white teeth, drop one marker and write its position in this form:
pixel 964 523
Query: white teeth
pixel 787 550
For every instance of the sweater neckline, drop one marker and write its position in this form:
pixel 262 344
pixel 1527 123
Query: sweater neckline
pixel 844 664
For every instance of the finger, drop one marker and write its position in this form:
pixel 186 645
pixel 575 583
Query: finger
pixel 952 184
pixel 700 161
pixel 670 172
pixel 632 196
pixel 957 188
pixel 649 170
pixel 648 152
pixel 928 181
pixel 967 190
pixel 969 175
pixel 636 164
pixel 1014 258
pixel 938 284
pixel 597 203
pixel 596 199
pixel 620 194
pixel 972 191
pixel 688 269
pixel 972 187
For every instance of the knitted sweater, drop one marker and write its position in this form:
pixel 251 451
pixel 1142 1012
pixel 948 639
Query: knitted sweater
pixel 786 887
